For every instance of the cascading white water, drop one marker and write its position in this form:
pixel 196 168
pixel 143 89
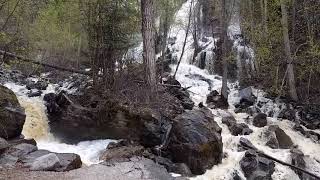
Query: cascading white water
pixel 36 127
pixel 199 90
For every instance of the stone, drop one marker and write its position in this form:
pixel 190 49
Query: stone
pixel 183 169
pixel 12 115
pixel 245 144
pixel 240 129
pixel 8 161
pixel 47 162
pixel 21 150
pixel 277 138
pixel 255 167
pixel 246 96
pixel 34 93
pixel 4 145
pixel 215 100
pixel 68 162
pixel 197 136
pixel 260 120
pixel 121 151
pixel 17 141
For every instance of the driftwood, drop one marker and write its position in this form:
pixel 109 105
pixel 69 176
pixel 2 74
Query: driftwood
pixel 281 162
pixel 8 54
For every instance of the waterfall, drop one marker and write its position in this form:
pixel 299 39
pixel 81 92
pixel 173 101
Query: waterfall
pixel 199 90
pixel 36 126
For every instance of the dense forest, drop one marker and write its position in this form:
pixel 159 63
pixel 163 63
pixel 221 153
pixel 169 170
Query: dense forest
pixel 210 89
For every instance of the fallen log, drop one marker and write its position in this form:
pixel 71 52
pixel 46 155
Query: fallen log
pixel 24 59
pixel 281 162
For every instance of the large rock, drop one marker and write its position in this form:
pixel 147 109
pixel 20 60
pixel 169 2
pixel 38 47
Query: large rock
pixel 12 115
pixel 39 85
pixel 47 162
pixel 277 138
pixel 197 136
pixel 67 161
pixel 260 120
pixel 255 167
pixel 246 96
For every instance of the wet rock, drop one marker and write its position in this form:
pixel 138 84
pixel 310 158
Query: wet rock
pixel 122 151
pixel 245 144
pixel 278 139
pixel 47 162
pixel 176 90
pixel 228 120
pixel 4 145
pixel 34 93
pixel 309 116
pixel 21 150
pixel 68 162
pixel 246 96
pixel 197 136
pixel 183 169
pixel 39 85
pixel 12 115
pixel 240 129
pixel 255 167
pixel 235 128
pixel 236 176
pixel 215 100
pixel 260 120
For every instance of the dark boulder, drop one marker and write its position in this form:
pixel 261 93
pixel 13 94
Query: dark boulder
pixel 234 127
pixel 34 93
pixel 240 129
pixel 122 151
pixel 277 138
pixel 174 88
pixel 260 120
pixel 215 100
pixel 197 136
pixel 245 144
pixel 247 97
pixel 12 115
pixel 255 167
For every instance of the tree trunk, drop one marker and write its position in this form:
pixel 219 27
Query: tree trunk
pixel 224 25
pixel 291 78
pixel 165 35
pixel 148 34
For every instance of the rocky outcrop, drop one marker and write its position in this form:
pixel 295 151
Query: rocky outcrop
pixel 260 120
pixel 39 85
pixel 277 138
pixel 197 136
pixel 256 167
pixel 12 115
pixel 307 133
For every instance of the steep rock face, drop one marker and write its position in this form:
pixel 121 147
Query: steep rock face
pixel 12 115
pixel 196 140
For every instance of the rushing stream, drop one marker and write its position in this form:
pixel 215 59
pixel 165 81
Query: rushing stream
pixel 36 125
